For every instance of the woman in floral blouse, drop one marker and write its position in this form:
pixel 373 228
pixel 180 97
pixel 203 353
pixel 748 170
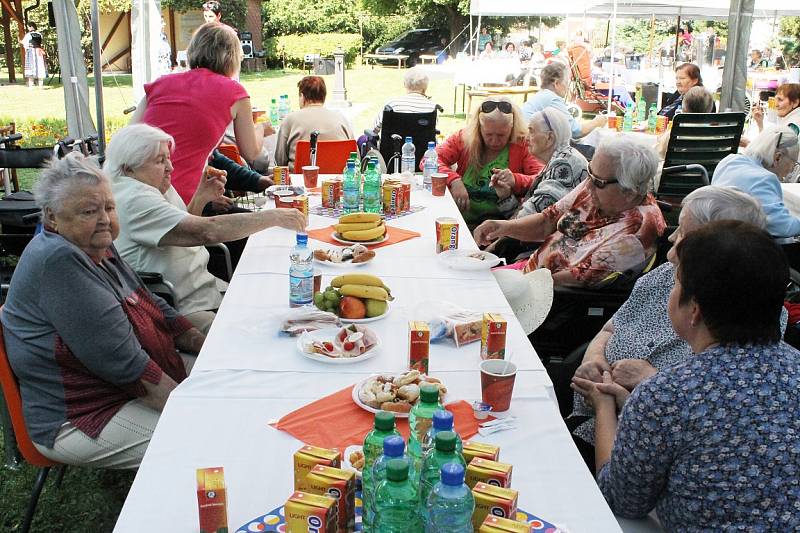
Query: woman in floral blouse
pixel 713 443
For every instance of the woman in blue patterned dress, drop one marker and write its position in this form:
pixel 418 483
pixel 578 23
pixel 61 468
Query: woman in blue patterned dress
pixel 712 443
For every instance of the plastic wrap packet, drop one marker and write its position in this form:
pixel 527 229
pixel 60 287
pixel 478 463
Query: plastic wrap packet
pixel 301 319
pixel 447 320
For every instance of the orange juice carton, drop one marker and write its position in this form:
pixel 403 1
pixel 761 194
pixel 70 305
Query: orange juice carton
pixel 446 234
pixel 338 484
pixel 493 336
pixel 419 341
pixel 331 193
pixel 493 501
pixel 308 457
pixel 406 205
pixel 474 449
pixel 301 204
pixel 481 470
pixel 307 513
pixel 211 500
pixel 494 524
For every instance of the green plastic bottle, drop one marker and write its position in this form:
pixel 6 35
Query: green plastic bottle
pixel 420 420
pixel 372 188
pixel 652 118
pixel 373 448
pixel 397 504
pixel 444 452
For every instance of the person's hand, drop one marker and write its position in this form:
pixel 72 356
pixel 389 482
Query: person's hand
pixel 631 372
pixel 460 195
pixel 221 203
pixel 292 219
pixel 489 231
pixel 264 182
pixel 598 394
pixel 264 129
pixel 613 389
pixel 503 182
pixel 758 115
pixel 211 187
pixel 593 370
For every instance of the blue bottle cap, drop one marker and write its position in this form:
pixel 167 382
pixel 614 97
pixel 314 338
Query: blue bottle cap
pixel 443 420
pixel 302 238
pixel 393 446
pixel 452 474
pixel 431 144
pixel 351 165
pixel 409 140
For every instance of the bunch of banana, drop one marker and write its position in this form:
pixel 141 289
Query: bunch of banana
pixel 362 286
pixel 360 227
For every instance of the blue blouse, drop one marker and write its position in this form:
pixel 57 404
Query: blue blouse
pixel 712 443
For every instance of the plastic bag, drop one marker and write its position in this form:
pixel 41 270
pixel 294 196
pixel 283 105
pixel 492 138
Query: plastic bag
pixel 447 320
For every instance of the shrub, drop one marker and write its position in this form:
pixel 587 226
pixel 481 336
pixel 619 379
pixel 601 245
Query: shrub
pixel 295 47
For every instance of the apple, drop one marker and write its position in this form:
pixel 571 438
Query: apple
pixel 376 307
pixel 352 307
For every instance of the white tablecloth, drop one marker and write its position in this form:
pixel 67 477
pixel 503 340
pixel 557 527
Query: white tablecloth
pixel 247 376
pixel 791 197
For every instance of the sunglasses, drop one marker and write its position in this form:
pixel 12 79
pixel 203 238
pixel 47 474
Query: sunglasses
pixel 490 105
pixel 599 183
pixel 211 6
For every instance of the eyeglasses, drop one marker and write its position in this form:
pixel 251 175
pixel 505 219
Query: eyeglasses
pixel 547 121
pixel 597 182
pixel 490 105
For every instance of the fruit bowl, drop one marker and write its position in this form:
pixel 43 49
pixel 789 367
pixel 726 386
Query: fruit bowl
pixel 356 298
pixel 335 236
pixel 367 320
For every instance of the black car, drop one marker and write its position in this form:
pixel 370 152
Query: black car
pixel 412 43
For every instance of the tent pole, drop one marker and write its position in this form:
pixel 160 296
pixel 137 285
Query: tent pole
pixel 97 61
pixel 613 53
pixel 677 36
pixel 74 79
pixel 652 36
pixel 470 42
pixel 478 38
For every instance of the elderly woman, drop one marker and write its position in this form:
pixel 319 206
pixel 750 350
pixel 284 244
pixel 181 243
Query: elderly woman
pixel 332 125
pixel 92 348
pixel 195 106
pixel 415 100
pixel 686 77
pixel 712 443
pixel 696 100
pixel 606 227
pixel 787 107
pixel 159 234
pixel 638 340
pixel 555 83
pixel 770 157
pixel 493 162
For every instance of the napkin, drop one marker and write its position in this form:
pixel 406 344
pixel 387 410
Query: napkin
pixel 335 421
pixel 395 235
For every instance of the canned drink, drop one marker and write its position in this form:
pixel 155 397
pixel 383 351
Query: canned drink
pixel 661 124
pixel 612 120
pixel 280 176
pixel 331 193
pixel 406 204
pixel 446 234
pixel 772 103
pixel 301 203
pixel 392 197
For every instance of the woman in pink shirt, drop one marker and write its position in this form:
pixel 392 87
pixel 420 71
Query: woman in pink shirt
pixel 195 106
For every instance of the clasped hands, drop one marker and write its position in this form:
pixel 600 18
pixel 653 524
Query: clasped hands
pixel 599 382
pixel 502 181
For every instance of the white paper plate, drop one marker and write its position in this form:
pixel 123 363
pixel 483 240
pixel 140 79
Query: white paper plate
pixel 296 189
pixel 335 237
pixel 358 402
pixel 461 260
pixel 346 264
pixel 328 334
pixel 367 320
pixel 346 464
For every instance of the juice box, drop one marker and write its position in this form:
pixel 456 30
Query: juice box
pixel 306 513
pixel 661 124
pixel 211 500
pixel 406 205
pixel 419 340
pixel 280 176
pixel 301 204
pixel 392 198
pixel 493 501
pixel 331 193
pixel 446 234
pixel 481 470
pixel 338 484
pixel 494 524
pixel 493 336
pixel 308 457
pixel 474 449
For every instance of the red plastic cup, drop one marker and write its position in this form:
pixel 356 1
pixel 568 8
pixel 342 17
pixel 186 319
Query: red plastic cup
pixel 438 183
pixel 310 176
pixel 497 383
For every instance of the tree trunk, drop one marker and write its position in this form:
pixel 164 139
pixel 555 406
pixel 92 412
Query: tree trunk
pixel 455 23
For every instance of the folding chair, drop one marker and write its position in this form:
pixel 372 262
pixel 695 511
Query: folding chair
pixel 331 155
pixel 421 127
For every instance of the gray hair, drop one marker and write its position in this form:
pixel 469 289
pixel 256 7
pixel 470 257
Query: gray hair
pixel 697 100
pixel 61 177
pixel 557 123
pixel 713 202
pixel 635 164
pixel 416 80
pixel 555 71
pixel 131 147
pixel 771 141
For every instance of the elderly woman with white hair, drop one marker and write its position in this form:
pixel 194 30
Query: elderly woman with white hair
pixel 605 228
pixel 93 349
pixel 414 101
pixel 159 234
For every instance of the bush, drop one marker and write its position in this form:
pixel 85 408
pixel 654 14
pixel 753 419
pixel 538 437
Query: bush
pixel 38 133
pixel 295 47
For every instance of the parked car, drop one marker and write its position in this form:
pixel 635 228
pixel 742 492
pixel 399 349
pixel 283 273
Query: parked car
pixel 412 43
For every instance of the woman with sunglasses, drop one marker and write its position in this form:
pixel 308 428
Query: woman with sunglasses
pixel 605 228
pixel 212 12
pixel 493 160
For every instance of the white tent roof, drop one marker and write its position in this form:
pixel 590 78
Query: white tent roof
pixel 705 9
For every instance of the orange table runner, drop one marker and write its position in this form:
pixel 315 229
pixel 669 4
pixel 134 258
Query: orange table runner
pixel 395 235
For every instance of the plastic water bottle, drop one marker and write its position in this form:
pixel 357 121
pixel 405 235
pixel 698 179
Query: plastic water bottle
pixel 372 188
pixel 373 448
pixel 283 107
pixel 627 123
pixel 397 507
pixel 393 448
pixel 407 158
pixel 430 165
pixel 652 118
pixel 641 111
pixel 351 194
pixel 444 452
pixel 442 421
pixel 274 114
pixel 450 505
pixel 420 420
pixel 301 273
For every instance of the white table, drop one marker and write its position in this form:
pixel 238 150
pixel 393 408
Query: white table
pixel 247 376
pixel 791 197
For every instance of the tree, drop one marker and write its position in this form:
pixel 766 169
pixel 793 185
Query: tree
pixel 790 39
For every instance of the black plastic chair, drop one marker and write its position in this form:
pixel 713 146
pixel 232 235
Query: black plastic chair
pixel 421 127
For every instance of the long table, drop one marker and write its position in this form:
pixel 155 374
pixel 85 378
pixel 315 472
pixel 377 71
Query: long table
pixel 247 376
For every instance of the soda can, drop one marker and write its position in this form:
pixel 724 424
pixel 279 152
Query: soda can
pixel 661 124
pixel 331 193
pixel 301 204
pixel 446 234
pixel 392 196
pixel 280 176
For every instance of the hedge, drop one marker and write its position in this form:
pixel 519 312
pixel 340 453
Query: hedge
pixel 295 47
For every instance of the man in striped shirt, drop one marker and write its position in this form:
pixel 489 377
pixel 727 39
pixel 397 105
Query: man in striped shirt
pixel 414 101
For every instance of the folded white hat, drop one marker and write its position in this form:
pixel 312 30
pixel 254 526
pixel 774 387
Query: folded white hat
pixel 529 295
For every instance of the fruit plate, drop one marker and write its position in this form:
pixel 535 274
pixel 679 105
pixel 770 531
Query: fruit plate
pixel 469 259
pixel 328 334
pixel 346 463
pixel 296 189
pixel 335 236
pixel 357 387
pixel 343 264
pixel 367 320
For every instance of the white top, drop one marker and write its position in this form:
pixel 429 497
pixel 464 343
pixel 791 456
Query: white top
pixel 145 216
pixel 408 103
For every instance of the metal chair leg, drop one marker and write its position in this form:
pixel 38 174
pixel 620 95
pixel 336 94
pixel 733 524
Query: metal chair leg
pixel 35 493
pixel 62 469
